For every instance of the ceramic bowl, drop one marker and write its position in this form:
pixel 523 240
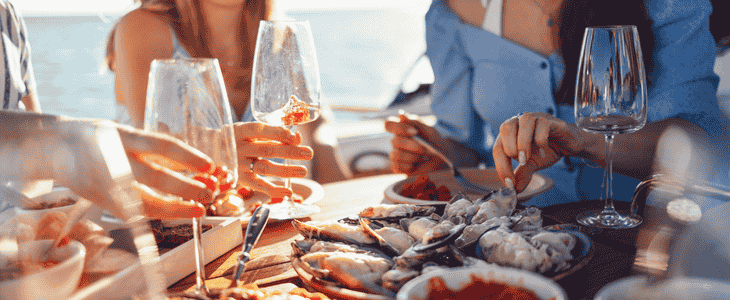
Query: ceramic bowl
pixel 457 279
pixel 56 282
pixel 56 195
pixel 635 287
pixel 485 177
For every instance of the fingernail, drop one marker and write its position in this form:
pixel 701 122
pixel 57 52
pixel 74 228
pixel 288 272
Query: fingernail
pixel 300 173
pixel 523 158
pixel 412 131
pixel 306 152
pixel 542 152
pixel 508 182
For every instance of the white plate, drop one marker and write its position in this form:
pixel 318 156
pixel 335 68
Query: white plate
pixel 676 288
pixel 458 278
pixel 485 177
pixel 310 190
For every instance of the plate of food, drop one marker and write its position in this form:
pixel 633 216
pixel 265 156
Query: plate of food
pixel 373 255
pixel 245 201
pixel 441 186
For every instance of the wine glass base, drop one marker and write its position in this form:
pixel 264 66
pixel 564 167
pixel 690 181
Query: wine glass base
pixel 608 220
pixel 285 211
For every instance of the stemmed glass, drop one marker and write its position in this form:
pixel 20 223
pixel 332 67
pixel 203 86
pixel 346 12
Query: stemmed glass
pixel 186 98
pixel 285 90
pixel 610 99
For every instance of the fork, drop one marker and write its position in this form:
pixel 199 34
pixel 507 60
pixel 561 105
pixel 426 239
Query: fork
pixel 454 170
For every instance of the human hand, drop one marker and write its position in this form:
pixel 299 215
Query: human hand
pixel 156 161
pixel 255 143
pixel 407 155
pixel 537 141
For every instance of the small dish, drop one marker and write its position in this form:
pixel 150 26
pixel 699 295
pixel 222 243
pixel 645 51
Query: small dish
pixel 56 282
pixel 634 287
pixel 485 177
pixel 310 190
pixel 56 195
pixel 457 279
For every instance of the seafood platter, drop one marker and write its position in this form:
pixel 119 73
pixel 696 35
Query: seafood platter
pixel 373 255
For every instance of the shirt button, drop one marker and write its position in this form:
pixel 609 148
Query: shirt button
pixel 550 111
pixel 543 65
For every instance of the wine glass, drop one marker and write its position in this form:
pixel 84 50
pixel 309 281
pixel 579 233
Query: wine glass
pixel 285 90
pixel 186 99
pixel 610 99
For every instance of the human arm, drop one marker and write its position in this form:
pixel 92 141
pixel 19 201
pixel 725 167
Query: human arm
pixel 545 140
pixel 140 37
pixel 80 154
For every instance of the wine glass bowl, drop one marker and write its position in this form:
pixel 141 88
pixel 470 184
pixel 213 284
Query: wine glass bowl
pixel 186 99
pixel 610 99
pixel 285 89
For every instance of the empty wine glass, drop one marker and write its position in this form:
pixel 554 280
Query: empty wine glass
pixel 285 89
pixel 610 99
pixel 186 99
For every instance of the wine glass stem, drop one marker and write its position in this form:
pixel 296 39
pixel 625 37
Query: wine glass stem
pixel 199 263
pixel 609 174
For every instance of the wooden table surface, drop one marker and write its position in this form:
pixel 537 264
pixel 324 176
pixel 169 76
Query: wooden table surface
pixel 270 267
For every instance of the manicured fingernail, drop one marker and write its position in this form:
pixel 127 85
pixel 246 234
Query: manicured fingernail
pixel 300 173
pixel 306 152
pixel 523 158
pixel 412 131
pixel 508 182
pixel 542 152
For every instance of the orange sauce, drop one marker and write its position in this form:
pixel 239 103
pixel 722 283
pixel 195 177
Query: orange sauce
pixel 484 289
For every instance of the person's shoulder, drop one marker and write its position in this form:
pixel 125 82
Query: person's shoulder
pixel 143 25
pixel 661 10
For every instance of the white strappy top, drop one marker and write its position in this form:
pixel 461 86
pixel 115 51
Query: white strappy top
pixel 493 18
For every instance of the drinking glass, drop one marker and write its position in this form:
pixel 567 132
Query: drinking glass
pixel 186 99
pixel 610 99
pixel 285 90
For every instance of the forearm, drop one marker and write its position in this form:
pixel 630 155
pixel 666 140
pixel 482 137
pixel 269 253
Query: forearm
pixel 26 145
pixel 31 102
pixel 636 154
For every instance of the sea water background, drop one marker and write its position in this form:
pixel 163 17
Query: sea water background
pixel 363 56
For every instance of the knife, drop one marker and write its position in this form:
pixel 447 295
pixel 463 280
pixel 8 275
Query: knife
pixel 253 232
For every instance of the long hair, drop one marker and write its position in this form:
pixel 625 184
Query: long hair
pixel 187 20
pixel 576 15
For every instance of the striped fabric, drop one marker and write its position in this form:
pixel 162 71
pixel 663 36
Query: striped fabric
pixel 16 72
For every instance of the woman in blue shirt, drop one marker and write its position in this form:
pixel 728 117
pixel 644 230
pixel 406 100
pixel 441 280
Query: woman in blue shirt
pixel 492 62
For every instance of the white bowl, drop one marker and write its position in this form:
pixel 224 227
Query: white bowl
pixel 56 282
pixel 634 287
pixel 458 278
pixel 57 194
pixel 485 177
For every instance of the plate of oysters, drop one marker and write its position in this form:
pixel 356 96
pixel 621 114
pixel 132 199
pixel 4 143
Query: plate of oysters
pixel 372 255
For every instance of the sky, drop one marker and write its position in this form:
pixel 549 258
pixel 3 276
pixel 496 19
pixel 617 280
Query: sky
pixel 95 7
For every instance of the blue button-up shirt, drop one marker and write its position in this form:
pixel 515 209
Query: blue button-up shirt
pixel 482 79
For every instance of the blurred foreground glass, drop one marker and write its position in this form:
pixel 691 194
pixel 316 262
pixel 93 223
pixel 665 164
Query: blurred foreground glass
pixel 285 89
pixel 610 99
pixel 186 99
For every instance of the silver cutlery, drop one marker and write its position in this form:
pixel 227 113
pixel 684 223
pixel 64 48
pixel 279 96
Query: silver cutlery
pixel 454 170
pixel 253 232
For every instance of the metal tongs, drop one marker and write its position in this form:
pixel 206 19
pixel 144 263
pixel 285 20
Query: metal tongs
pixel 253 232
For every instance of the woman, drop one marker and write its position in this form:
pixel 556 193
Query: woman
pixel 225 30
pixel 513 56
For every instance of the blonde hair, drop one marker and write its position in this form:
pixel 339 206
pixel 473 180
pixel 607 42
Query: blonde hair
pixel 187 20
